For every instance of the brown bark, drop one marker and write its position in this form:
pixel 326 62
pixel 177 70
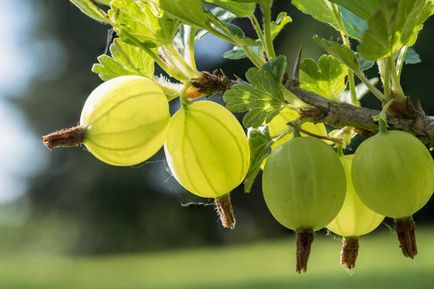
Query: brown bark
pixel 413 121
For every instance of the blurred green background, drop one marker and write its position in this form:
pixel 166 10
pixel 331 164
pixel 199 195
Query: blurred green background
pixel 70 221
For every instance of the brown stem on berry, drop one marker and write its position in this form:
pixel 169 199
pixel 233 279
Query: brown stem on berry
pixel 304 243
pixel 65 137
pixel 349 252
pixel 225 211
pixel 405 229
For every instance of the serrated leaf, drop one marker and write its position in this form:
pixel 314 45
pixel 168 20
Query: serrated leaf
pixel 261 96
pixel 327 78
pixel 394 26
pixel 125 60
pixel 239 9
pixel 412 57
pixel 260 148
pixel 321 10
pixel 354 25
pixel 188 11
pixel 281 21
pixel 139 20
pixel 90 9
pixel 342 53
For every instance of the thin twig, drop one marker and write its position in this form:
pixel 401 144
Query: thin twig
pixel 297 127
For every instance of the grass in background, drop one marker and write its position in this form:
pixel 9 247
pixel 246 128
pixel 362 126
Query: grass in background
pixel 268 265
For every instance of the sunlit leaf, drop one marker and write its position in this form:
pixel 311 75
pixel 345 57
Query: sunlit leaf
pixel 261 96
pixel 125 59
pixel 327 78
pixel 90 9
pixel 342 53
pixel 139 20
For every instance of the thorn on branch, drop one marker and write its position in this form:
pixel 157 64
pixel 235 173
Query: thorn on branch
pixel 296 70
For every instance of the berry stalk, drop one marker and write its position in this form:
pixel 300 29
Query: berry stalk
pixel 405 229
pixel 225 211
pixel 349 252
pixel 68 137
pixel 304 240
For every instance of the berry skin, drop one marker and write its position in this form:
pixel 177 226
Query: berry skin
pixel 354 219
pixel 125 120
pixel 393 174
pixel 304 184
pixel 304 189
pixel 207 150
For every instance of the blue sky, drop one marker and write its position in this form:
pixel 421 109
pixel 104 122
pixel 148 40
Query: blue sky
pixel 20 153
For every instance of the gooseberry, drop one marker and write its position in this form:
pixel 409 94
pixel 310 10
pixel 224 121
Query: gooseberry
pixel 207 150
pixel 123 122
pixel 393 174
pixel 304 188
pixel 126 120
pixel 353 220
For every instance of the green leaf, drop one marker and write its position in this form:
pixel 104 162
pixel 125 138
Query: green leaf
pixel 138 20
pixel 188 11
pixel 412 57
pixel 235 30
pixel 103 2
pixel 354 25
pixel 411 14
pixel 90 9
pixel 321 10
pixel 260 148
pixel 281 21
pixel 342 53
pixel 363 8
pixel 125 60
pixel 239 9
pixel 222 15
pixel 394 26
pixel 364 64
pixel 381 40
pixel 261 96
pixel 237 53
pixel 328 78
